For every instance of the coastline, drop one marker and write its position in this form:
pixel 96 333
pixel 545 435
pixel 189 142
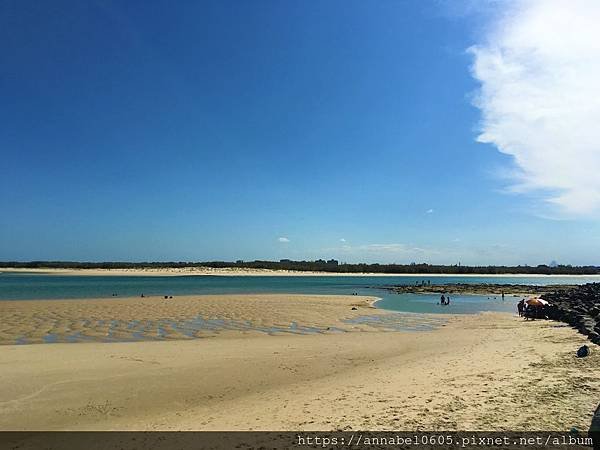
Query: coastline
pixel 459 376
pixel 374 301
pixel 207 271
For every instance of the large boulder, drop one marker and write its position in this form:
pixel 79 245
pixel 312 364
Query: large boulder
pixel 586 326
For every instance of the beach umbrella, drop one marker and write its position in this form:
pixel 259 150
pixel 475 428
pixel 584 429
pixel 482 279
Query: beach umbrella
pixel 536 302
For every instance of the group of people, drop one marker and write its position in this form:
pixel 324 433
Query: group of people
pixel 444 300
pixel 529 311
pixel 532 311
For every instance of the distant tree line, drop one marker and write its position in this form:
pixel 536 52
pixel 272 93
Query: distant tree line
pixel 319 265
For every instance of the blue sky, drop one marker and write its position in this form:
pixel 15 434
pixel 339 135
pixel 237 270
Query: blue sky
pixel 266 129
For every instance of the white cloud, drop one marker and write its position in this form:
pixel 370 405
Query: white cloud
pixel 342 240
pixel 283 239
pixel 429 211
pixel 539 70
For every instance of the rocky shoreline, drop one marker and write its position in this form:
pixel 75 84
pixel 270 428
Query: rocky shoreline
pixel 579 307
pixel 477 289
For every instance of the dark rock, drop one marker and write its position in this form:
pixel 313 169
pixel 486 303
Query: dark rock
pixel 594 337
pixel 583 351
pixel 484 289
pixel 578 306
pixel 586 326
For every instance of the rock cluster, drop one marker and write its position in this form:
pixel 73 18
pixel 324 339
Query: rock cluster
pixel 489 289
pixel 579 307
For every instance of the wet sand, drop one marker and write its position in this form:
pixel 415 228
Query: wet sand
pixel 200 316
pixel 476 372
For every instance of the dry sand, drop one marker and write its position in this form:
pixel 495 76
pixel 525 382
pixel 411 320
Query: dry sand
pixel 167 271
pixel 486 372
pixel 235 271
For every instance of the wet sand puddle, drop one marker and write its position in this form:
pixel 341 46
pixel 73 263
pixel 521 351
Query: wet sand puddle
pixel 101 330
pixel 391 322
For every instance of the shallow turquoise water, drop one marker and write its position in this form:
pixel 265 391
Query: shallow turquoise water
pixel 459 304
pixel 28 287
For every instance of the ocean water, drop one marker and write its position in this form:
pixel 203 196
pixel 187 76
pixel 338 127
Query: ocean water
pixel 24 286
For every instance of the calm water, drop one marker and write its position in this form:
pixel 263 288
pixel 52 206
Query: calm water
pixel 29 287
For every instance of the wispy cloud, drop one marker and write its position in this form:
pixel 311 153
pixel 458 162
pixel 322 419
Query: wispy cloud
pixel 429 211
pixel 342 240
pixel 283 239
pixel 539 69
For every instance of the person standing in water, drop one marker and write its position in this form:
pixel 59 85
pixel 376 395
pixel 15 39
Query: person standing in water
pixel 443 300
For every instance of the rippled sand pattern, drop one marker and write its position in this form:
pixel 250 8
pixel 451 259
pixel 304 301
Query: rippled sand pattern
pixel 190 317
pixel 398 322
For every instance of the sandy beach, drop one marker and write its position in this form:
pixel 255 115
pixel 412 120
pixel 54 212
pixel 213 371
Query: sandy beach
pixel 250 223
pixel 489 371
pixel 199 316
pixel 234 271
